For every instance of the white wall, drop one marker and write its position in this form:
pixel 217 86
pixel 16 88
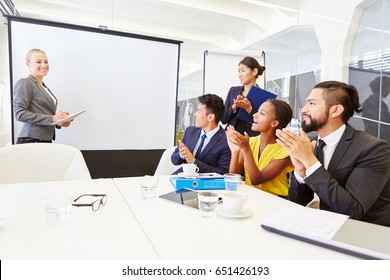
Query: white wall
pixel 332 24
pixel 218 61
pixel 5 112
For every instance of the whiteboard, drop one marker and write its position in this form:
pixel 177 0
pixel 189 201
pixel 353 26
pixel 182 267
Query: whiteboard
pixel 128 82
pixel 221 70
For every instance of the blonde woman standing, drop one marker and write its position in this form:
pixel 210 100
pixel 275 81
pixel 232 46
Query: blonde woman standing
pixel 34 104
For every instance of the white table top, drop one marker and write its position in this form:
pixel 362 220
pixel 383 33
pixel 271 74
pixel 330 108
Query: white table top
pixel 110 233
pixel 179 232
pixel 128 227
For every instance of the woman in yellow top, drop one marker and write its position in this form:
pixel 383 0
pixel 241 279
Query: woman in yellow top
pixel 265 162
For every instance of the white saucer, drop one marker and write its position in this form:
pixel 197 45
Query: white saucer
pixel 243 214
pixel 2 221
pixel 181 174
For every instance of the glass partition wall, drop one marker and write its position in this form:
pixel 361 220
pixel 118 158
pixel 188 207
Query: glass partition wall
pixel 269 30
pixel 303 42
pixel 369 69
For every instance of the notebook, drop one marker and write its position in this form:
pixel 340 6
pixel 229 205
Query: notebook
pixel 256 96
pixel 360 239
pixel 70 117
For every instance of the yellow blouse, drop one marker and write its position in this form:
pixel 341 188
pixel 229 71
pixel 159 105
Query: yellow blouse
pixel 278 185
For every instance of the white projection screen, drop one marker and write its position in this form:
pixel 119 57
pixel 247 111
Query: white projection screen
pixel 220 70
pixel 127 81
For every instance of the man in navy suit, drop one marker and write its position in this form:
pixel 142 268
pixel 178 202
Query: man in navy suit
pixel 351 173
pixel 213 155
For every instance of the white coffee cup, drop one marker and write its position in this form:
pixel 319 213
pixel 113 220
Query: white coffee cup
pixel 234 202
pixel 189 169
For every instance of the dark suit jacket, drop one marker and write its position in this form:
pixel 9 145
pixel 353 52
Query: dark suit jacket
pixel 35 108
pixel 215 156
pixel 230 117
pixel 357 182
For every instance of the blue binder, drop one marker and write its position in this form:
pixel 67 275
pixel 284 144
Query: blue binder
pixel 198 183
pixel 256 96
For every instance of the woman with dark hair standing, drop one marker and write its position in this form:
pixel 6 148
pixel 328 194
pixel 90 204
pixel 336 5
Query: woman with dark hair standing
pixel 249 70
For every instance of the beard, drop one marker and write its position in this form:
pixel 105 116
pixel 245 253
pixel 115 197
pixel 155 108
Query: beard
pixel 314 124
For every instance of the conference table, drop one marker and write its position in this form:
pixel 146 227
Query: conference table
pixel 129 227
pixel 179 232
pixel 112 232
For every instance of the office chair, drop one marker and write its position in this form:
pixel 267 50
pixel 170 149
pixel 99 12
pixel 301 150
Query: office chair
pixel 41 162
pixel 165 165
pixel 315 203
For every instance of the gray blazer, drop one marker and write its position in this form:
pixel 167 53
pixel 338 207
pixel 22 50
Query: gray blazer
pixel 357 181
pixel 35 108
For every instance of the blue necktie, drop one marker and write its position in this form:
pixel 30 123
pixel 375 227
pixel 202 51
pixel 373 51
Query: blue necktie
pixel 199 151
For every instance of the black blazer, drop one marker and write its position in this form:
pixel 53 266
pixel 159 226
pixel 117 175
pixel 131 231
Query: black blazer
pixel 357 182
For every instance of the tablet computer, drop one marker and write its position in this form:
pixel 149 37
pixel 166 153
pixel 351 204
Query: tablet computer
pixel 186 197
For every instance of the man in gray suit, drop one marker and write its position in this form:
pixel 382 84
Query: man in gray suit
pixel 351 173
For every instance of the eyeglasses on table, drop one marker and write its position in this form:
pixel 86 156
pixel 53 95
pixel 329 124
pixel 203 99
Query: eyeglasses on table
pixel 95 205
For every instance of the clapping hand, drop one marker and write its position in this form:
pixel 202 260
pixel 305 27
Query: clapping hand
pixel 185 152
pixel 236 140
pixel 299 148
pixel 241 102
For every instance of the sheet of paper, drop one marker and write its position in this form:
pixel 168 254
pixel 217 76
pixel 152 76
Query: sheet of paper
pixel 306 221
pixel 70 117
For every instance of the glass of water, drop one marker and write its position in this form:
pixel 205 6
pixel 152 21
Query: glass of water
pixel 232 181
pixel 207 203
pixel 58 210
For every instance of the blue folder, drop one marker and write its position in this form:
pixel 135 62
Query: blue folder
pixel 197 183
pixel 256 96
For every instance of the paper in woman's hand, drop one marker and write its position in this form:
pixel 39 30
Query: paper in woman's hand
pixel 70 117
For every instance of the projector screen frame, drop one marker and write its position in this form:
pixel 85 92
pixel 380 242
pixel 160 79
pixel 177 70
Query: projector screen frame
pixel 105 31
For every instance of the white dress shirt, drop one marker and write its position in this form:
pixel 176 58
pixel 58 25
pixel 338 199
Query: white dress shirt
pixel 331 142
pixel 209 135
pixel 50 94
